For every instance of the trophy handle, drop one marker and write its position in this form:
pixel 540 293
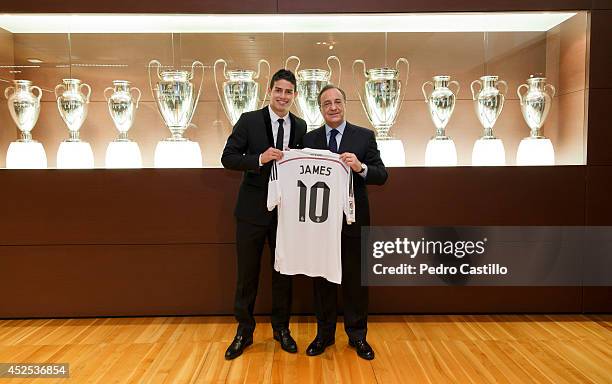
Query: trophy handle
pixel 217 84
pixel 88 91
pixel 6 91
pixel 397 64
pixel 505 87
pixel 158 65
pixel 265 87
pixel 56 88
pixel 335 58
pixel 139 95
pixel 458 87
pixel 518 92
pixel 553 90
pixel 193 67
pixel 425 92
pixel 357 85
pixel 289 60
pixel 106 90
pixel 473 90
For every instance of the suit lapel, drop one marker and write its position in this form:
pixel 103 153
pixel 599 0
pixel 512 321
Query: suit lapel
pixel 321 139
pixel 266 117
pixel 292 133
pixel 346 138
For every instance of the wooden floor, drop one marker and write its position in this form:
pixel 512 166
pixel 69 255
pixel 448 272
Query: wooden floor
pixel 409 349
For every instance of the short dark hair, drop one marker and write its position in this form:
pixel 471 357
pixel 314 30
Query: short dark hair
pixel 283 74
pixel 327 88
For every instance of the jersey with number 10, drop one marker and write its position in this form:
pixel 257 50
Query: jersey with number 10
pixel 312 189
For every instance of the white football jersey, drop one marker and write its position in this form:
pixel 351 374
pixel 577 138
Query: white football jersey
pixel 312 188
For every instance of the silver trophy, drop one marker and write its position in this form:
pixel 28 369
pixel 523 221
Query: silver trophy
pixel 122 106
pixel 441 102
pixel 489 102
pixel 240 90
pixel 535 104
pixel 23 106
pixel 383 95
pixel 175 96
pixel 309 84
pixel 72 105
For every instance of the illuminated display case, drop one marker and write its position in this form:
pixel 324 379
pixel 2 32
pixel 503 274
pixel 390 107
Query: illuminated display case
pixel 101 48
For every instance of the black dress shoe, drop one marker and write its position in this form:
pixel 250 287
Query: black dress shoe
pixel 363 349
pixel 318 346
pixel 237 346
pixel 283 336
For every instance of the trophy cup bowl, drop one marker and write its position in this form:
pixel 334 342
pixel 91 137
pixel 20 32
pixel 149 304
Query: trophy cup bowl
pixel 441 101
pixel 489 101
pixel 382 95
pixel 122 106
pixel 24 106
pixel 240 89
pixel 310 82
pixel 536 103
pixel 72 105
pixel 175 97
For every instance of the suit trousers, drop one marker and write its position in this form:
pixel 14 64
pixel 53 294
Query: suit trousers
pixel 250 240
pixel 354 296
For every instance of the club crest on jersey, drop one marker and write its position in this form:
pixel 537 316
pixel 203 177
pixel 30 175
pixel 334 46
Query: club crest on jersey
pixel 315 169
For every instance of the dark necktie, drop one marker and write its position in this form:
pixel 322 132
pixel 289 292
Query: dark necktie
pixel 333 144
pixel 280 135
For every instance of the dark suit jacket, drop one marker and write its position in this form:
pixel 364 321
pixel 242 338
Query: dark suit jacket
pixel 251 136
pixel 361 142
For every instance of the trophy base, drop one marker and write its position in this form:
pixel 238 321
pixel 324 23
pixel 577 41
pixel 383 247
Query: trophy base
pixel 123 154
pixel 26 155
pixel 488 151
pixel 392 152
pixel 535 151
pixel 441 152
pixel 177 154
pixel 75 155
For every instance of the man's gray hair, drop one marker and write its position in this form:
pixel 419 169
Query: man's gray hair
pixel 327 88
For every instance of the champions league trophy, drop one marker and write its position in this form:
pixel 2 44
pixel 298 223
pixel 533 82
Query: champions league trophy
pixel 382 100
pixel 240 90
pixel 535 105
pixel 72 105
pixel 24 108
pixel 123 152
pixel 176 101
pixel 441 149
pixel 309 84
pixel 488 102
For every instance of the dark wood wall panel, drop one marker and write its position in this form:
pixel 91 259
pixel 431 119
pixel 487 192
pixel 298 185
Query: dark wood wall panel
pixel 599 194
pixel 475 299
pixel 305 6
pixel 140 280
pixel 67 281
pixel 480 196
pixel 599 141
pixel 602 4
pixel 146 206
pixel 598 212
pixel 152 206
pixel 600 59
pixel 140 6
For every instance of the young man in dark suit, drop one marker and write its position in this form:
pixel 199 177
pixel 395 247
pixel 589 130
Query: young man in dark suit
pixel 358 149
pixel 257 139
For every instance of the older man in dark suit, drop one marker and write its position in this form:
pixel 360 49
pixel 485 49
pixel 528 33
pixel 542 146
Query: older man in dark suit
pixel 257 139
pixel 357 148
